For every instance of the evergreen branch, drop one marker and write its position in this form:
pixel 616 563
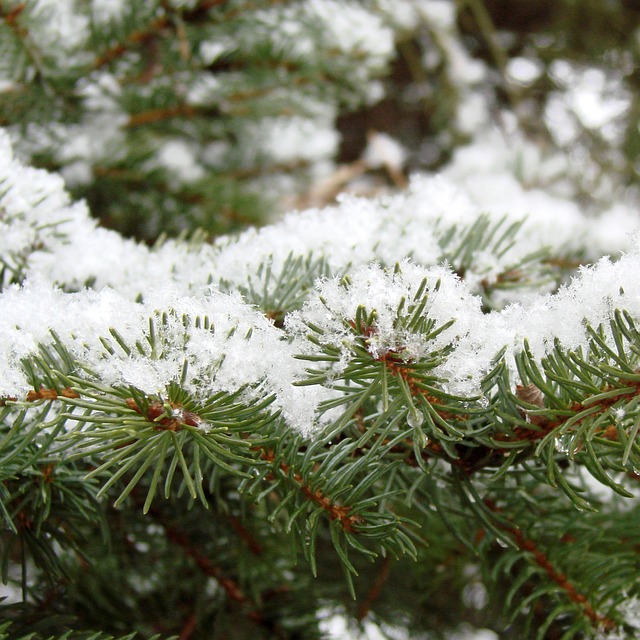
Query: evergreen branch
pixel 152 116
pixel 376 588
pixel 541 559
pixel 189 627
pixel 231 588
pixel 159 24
pixel 14 19
pixel 232 12
pixel 322 400
pixel 166 416
pixel 50 394
pixel 73 635
pixel 12 16
pixel 280 292
pixel 254 546
pixel 133 40
pixel 341 513
pixel 489 33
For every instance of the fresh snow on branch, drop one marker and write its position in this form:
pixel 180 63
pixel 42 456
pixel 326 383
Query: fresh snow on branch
pixel 357 231
pixel 209 344
pixel 160 297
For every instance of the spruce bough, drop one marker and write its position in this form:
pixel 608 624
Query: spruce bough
pixel 271 406
pixel 416 413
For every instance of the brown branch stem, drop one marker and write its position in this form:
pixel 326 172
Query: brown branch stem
pixel 158 115
pixel 51 394
pixel 133 40
pixel 254 546
pixel 375 590
pixel 233 591
pixel 544 426
pixel 348 521
pixel 11 16
pixel 541 559
pixel 156 413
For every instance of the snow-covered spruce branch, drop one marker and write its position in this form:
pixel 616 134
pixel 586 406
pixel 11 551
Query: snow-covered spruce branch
pixel 337 358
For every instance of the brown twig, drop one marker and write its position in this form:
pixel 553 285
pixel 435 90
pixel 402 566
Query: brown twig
pixel 232 10
pixel 254 546
pixel 231 588
pixel 11 18
pixel 189 627
pixel 375 590
pixel 154 30
pixel 51 394
pixel 174 422
pixel 158 115
pixel 543 425
pixel 348 521
pixel 542 560
pixel 134 39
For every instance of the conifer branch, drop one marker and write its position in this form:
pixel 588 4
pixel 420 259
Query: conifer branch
pixel 231 588
pixel 51 394
pixel 12 16
pixel 254 546
pixel 341 513
pixel 448 372
pixel 375 590
pixel 152 116
pixel 133 40
pixel 189 627
pixel 625 391
pixel 156 412
pixel 531 550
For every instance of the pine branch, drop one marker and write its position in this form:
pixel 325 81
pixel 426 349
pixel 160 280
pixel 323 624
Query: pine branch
pixel 152 116
pixel 12 16
pixel 232 589
pixel 540 558
pixel 135 39
pixel 341 513
pixel 425 374
pixel 374 592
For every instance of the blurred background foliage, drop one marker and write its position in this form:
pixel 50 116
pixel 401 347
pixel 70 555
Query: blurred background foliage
pixel 566 71
pixel 176 135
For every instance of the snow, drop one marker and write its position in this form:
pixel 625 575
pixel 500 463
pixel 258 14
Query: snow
pixel 59 31
pixel 291 139
pixel 629 609
pixel 346 26
pixel 587 97
pixel 336 625
pixel 383 151
pixel 178 157
pixel 107 10
pixel 384 291
pixel 239 349
pixel 387 248
pixel 440 13
pixel 353 29
pixel 524 71
pixel 211 50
